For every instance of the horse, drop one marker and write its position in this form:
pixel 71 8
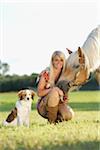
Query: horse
pixel 81 63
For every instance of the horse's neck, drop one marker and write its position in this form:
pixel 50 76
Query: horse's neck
pixel 92 58
pixel 91 49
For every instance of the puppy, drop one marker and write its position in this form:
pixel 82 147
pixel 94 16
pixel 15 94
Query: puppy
pixel 20 114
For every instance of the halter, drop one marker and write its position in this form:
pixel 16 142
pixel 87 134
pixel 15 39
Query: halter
pixel 72 83
pixel 81 68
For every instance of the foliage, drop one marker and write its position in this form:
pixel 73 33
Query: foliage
pixel 81 133
pixel 15 82
pixel 91 85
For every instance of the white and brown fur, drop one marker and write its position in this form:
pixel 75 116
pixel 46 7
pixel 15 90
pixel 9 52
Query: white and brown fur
pixel 21 113
pixel 85 60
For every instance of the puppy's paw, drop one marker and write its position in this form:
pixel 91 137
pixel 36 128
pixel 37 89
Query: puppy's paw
pixel 5 123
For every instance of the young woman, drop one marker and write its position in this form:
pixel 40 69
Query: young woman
pixel 53 103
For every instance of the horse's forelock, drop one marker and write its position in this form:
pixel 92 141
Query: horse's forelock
pixel 73 58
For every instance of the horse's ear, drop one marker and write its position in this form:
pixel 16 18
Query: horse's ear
pixel 81 56
pixel 69 51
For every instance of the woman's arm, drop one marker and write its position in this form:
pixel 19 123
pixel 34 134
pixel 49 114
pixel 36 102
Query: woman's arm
pixel 41 90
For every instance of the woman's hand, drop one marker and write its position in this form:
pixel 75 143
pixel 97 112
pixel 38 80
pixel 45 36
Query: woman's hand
pixel 60 92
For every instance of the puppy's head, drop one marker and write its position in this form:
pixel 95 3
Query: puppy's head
pixel 26 94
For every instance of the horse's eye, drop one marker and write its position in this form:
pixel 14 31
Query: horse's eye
pixel 76 66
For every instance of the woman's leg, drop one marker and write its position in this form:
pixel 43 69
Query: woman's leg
pixel 41 107
pixel 52 105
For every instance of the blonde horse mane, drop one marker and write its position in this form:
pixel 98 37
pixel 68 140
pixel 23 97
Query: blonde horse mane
pixel 91 49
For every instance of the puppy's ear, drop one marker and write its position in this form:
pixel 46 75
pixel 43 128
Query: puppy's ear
pixel 32 94
pixel 20 94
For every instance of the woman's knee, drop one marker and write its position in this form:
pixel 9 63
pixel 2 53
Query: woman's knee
pixel 68 114
pixel 53 99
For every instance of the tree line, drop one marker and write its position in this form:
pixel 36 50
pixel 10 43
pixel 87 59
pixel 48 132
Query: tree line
pixel 16 82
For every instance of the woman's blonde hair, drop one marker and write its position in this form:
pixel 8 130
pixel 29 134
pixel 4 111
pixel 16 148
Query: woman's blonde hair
pixel 62 56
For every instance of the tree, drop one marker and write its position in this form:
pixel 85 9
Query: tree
pixel 0 66
pixel 4 68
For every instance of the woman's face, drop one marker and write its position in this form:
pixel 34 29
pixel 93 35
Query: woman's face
pixel 57 62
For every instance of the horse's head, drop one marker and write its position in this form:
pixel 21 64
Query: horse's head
pixel 76 71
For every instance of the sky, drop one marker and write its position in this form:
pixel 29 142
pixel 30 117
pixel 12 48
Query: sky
pixel 31 30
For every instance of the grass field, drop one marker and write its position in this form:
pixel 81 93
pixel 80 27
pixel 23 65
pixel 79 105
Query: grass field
pixel 81 133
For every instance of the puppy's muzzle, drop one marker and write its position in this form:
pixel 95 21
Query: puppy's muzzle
pixel 28 98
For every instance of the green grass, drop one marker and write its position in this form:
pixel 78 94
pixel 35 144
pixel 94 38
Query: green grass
pixel 81 133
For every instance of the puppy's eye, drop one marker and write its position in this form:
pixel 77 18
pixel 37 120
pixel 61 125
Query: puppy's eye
pixel 76 66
